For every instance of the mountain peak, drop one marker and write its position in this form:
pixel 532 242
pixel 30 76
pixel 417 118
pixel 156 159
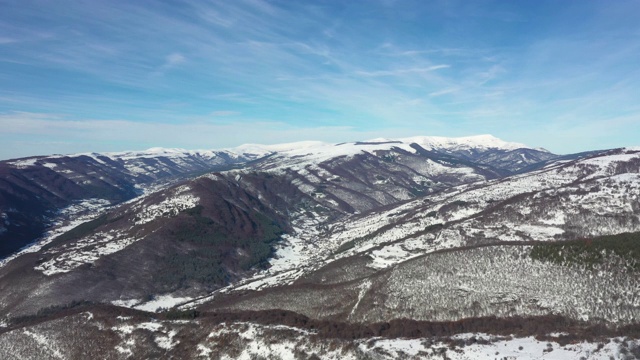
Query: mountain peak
pixel 484 141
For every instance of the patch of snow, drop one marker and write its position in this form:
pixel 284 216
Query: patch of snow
pixel 389 256
pixel 125 329
pixel 125 351
pixel 364 287
pixel 396 347
pixel 126 303
pixel 204 351
pixel 492 347
pixel 166 301
pixel 150 326
pixel 25 163
pixel 166 341
pixel 529 348
pixel 290 252
pixel 556 218
pixel 169 207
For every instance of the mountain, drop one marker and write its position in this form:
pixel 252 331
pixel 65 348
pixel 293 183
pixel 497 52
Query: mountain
pixel 34 190
pixel 426 246
pixel 199 235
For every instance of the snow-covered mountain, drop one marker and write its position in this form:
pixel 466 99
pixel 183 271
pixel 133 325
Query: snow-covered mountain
pixel 342 240
pixel 153 162
pixel 476 143
pixel 485 150
pixel 33 190
pixel 288 184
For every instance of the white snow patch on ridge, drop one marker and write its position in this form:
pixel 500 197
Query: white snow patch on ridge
pixel 162 302
pixel 478 141
pixel 159 302
pixel 23 164
pixel 169 207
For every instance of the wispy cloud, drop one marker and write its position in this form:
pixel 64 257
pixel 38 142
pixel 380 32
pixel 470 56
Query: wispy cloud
pixel 171 61
pixel 7 40
pixel 222 113
pixel 402 71
pixel 174 59
pixel 443 92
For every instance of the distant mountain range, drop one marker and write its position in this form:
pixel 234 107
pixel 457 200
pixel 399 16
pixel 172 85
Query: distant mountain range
pixel 338 240
pixel 33 189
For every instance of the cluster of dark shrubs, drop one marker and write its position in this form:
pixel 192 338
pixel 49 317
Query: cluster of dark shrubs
pixel 51 311
pixel 349 245
pixel 592 252
pixel 176 314
pixel 215 250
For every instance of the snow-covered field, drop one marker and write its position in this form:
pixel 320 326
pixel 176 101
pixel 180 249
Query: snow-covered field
pixel 281 342
pixel 527 348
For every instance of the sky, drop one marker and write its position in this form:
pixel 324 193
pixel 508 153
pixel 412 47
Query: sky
pixel 94 75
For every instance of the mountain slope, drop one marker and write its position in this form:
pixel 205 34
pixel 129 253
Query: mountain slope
pixel 33 190
pixel 196 236
pixel 221 227
pixel 566 200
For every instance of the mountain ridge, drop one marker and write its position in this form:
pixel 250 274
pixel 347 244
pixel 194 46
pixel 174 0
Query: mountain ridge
pixel 484 141
pixel 46 184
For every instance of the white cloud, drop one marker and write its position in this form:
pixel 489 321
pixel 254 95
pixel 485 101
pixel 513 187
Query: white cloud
pixel 174 59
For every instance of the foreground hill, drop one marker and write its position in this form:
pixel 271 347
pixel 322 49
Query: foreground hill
pixel 108 332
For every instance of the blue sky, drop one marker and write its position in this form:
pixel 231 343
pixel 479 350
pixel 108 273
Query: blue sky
pixel 115 75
